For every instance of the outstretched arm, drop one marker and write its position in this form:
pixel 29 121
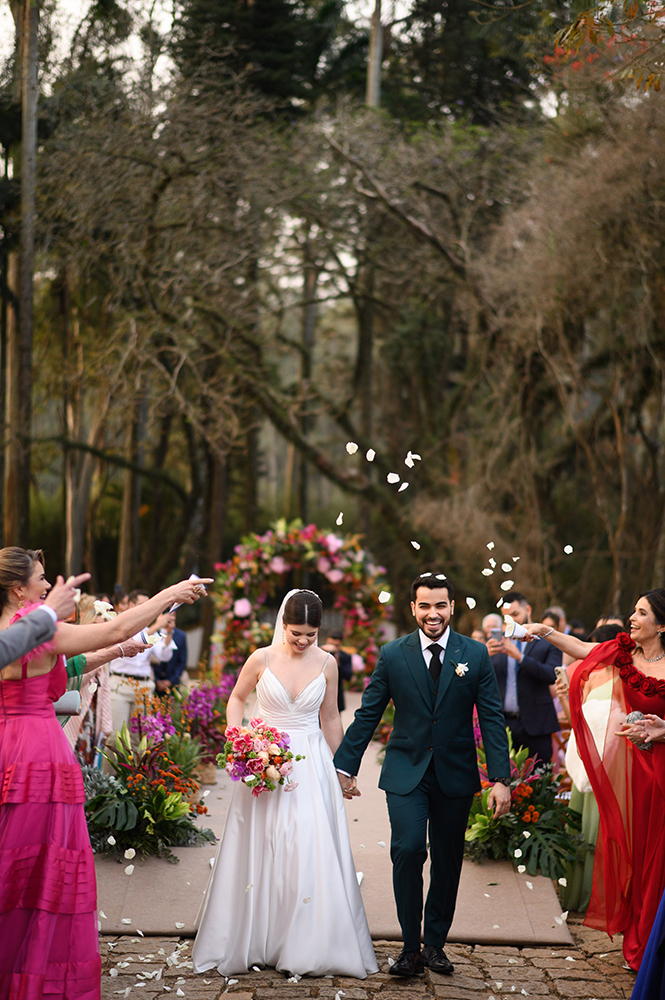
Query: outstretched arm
pixel 566 643
pixel 74 639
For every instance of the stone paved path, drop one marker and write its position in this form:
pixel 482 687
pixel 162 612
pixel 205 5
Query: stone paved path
pixel 144 968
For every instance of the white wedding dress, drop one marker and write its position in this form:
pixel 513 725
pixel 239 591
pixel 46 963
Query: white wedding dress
pixel 284 892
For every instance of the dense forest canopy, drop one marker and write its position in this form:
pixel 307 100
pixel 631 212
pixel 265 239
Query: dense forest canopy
pixel 239 267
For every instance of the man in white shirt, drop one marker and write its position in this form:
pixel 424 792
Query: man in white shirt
pixel 131 672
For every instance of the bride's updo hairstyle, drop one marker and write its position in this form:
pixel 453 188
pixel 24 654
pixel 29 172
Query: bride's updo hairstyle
pixel 303 608
pixel 16 568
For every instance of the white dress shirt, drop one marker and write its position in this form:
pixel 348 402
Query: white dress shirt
pixel 139 666
pixel 426 642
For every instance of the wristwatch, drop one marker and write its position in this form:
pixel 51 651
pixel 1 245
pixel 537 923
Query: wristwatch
pixel 502 781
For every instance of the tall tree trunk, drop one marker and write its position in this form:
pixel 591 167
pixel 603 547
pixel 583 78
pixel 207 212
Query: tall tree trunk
pixel 310 281
pixel 19 334
pixel 375 59
pixel 214 521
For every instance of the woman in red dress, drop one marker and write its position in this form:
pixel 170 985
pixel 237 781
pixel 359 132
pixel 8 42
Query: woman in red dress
pixel 627 775
pixel 48 897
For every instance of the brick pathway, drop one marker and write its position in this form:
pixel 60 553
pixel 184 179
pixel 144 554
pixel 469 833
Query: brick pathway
pixel 143 968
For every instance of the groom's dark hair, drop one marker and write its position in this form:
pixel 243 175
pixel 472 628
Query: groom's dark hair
pixel 432 580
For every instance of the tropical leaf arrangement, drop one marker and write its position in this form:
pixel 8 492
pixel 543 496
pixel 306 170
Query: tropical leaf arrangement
pixel 148 805
pixel 540 834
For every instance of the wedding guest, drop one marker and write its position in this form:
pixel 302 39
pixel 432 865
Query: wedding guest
pixel 130 674
pixel 596 708
pixel 333 644
pixel 48 898
pixel 479 636
pixel 628 780
pixel 524 674
pixel 489 622
pixel 168 673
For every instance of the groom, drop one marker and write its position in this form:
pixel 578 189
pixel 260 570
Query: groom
pixel 430 774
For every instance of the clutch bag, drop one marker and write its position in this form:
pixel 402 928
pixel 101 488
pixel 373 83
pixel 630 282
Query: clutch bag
pixel 68 704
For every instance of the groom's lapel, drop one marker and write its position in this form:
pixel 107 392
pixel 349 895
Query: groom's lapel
pixel 453 653
pixel 415 661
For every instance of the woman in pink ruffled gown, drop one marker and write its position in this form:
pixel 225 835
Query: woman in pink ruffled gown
pixel 48 899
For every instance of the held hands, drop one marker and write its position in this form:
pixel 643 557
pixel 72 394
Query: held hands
pixel 650 729
pixel 61 596
pixel 499 797
pixel 536 631
pixel 349 786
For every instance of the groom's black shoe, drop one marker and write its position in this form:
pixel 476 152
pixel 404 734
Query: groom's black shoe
pixel 436 960
pixel 409 963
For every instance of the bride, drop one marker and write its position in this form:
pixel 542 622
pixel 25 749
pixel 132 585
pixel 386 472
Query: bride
pixel 284 892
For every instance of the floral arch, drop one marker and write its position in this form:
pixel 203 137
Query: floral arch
pixel 265 565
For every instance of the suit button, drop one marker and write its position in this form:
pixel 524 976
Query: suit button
pixel 435 691
pixel 435 720
pixel 430 748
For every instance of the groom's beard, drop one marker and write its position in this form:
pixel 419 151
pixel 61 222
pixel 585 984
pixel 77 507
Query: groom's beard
pixel 433 631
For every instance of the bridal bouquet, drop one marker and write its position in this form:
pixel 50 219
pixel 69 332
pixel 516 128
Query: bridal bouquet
pixel 259 756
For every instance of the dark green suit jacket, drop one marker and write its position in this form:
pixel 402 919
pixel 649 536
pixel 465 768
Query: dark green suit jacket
pixel 431 720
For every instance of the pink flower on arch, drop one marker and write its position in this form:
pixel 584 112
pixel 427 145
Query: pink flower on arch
pixel 242 608
pixel 334 543
pixel 335 576
pixel 278 565
pixel 323 565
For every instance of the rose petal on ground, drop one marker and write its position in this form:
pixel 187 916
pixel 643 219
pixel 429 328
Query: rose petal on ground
pixel 529 885
pixel 391 961
pixel 471 603
pixel 232 982
pixel 126 920
pixel 392 477
pixel 129 870
pixel 381 843
pixel 351 447
pixel 179 924
pixel 416 546
pixel 340 518
pixel 207 792
pixel 103 915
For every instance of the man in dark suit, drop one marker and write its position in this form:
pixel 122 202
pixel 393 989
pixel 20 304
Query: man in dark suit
pixel 524 673
pixel 167 673
pixel 333 645
pixel 430 772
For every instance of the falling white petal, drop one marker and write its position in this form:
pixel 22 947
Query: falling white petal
pixel 416 546
pixel 408 461
pixel 351 447
pixel 499 603
pixel 506 567
pixel 103 915
pixel 370 454
pixel 488 572
pixel 529 885
pixel 307 899
pixel 517 853
pixel 248 887
pixel 340 518
pixel 391 961
pixel 130 853
pixel 526 834
pixel 490 545
pixel 111 840
pixel 521 869
pixel 568 549
pixel 415 457
pixel 507 584
pixel 563 882
pixel 384 597
pixel 471 603
pixel 516 558
pixel 392 477
pixel 492 563
pixel 207 792
pixel 403 487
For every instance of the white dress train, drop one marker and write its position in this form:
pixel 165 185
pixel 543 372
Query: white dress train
pixel 284 892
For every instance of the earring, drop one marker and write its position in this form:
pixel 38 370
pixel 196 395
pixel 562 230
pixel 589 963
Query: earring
pixel 283 635
pixel 21 602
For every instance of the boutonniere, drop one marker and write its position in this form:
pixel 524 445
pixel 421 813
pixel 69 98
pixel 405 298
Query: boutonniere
pixel 461 668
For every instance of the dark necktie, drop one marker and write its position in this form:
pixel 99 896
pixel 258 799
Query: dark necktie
pixel 435 662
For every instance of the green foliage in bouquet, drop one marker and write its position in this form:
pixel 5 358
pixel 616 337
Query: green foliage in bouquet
pixel 533 834
pixel 144 805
